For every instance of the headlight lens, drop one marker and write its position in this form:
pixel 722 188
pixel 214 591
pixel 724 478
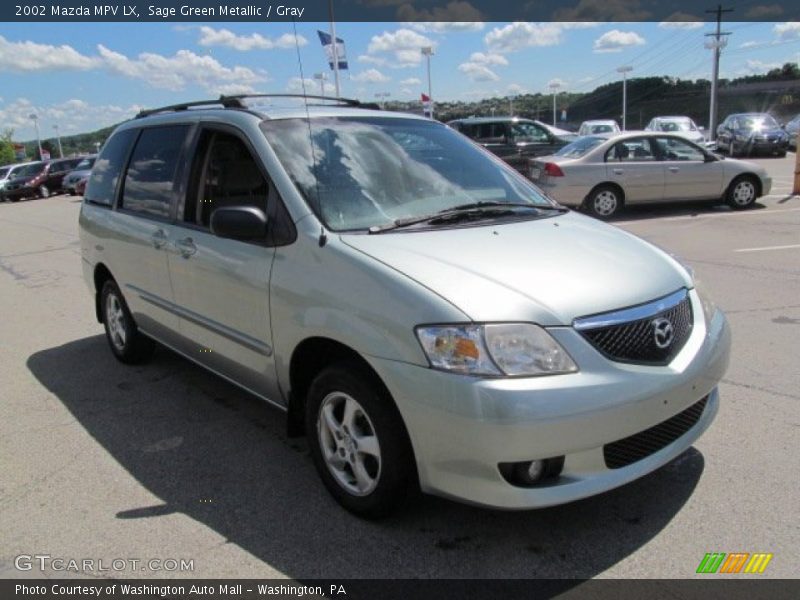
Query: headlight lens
pixel 512 349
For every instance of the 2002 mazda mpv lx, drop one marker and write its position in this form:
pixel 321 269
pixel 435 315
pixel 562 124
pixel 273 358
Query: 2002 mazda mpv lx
pixel 422 312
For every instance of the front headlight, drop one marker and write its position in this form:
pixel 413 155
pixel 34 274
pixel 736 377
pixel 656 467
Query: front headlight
pixel 709 308
pixel 512 349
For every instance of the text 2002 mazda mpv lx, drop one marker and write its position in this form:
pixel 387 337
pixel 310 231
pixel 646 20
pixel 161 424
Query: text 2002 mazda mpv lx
pixel 423 312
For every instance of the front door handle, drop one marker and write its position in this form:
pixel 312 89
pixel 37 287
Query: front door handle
pixel 674 169
pixel 618 171
pixel 186 247
pixel 159 239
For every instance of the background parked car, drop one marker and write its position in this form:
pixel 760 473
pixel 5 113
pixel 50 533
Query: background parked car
pixel 81 172
pixel 602 173
pixel 679 125
pixel 748 133
pixel 39 179
pixel 513 139
pixel 792 127
pixel 598 126
pixel 9 172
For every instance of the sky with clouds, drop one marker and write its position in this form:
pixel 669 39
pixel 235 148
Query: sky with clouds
pixel 88 75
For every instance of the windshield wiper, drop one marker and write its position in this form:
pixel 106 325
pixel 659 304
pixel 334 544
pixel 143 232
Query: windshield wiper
pixel 464 211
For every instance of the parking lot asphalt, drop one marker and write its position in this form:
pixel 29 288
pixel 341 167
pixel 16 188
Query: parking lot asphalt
pixel 105 461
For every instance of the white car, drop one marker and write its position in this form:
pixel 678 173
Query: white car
pixel 679 125
pixel 603 173
pixel 598 126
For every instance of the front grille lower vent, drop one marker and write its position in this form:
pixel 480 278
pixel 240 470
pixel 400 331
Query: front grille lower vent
pixel 641 445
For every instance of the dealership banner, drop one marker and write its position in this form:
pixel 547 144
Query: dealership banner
pixel 465 11
pixel 400 589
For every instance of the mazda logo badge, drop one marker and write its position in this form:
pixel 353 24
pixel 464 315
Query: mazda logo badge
pixel 663 332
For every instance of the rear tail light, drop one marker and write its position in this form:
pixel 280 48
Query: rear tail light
pixel 553 170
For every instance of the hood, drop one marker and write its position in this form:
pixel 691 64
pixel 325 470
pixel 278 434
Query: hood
pixel 548 271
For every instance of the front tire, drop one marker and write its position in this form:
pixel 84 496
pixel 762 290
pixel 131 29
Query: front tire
pixel 742 193
pixel 358 441
pixel 43 191
pixel 604 201
pixel 127 343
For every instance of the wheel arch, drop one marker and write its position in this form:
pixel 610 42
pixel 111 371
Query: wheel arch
pixel 749 175
pixel 309 357
pixel 612 184
pixel 101 275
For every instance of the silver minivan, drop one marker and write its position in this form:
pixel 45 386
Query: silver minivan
pixel 425 315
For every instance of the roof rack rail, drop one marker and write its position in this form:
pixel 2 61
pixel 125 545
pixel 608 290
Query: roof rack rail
pixel 237 101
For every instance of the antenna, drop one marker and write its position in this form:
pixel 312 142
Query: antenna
pixel 323 239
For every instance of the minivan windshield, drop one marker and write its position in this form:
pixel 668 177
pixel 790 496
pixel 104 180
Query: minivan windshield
pixel 677 125
pixel 580 147
pixel 33 169
pixel 364 172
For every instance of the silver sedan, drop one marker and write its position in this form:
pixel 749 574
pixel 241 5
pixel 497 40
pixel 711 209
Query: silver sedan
pixel 603 173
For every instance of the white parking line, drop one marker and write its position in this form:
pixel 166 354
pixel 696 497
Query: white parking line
pixel 765 248
pixel 716 215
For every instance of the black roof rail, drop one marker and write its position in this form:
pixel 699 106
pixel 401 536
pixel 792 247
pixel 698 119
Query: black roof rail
pixel 237 101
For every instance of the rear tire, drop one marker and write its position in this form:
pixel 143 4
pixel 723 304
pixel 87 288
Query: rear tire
pixel 742 192
pixel 604 201
pixel 358 441
pixel 127 343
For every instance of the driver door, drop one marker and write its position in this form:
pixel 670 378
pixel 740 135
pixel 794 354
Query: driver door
pixel 687 173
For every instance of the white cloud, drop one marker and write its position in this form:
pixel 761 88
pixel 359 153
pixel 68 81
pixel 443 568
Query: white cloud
pixel 681 20
pixel 178 71
pixel 788 31
pixel 72 116
pixel 557 81
pixel 516 88
pixel 372 60
pixel 758 67
pixel 370 76
pixel 752 44
pixel 447 26
pixel 224 37
pixel 488 59
pixel 616 40
pixel 411 81
pixel 403 45
pixel 295 85
pixel 516 36
pixel 477 72
pixel 30 56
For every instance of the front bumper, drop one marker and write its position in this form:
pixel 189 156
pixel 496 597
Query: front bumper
pixel 19 193
pixel 753 146
pixel 462 427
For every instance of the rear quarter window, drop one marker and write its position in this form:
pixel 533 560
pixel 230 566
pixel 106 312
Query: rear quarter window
pixel 102 185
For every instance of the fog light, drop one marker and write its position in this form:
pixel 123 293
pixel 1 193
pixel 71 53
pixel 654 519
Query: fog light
pixel 530 473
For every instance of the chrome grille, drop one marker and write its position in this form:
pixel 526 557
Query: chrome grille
pixel 648 334
pixel 641 445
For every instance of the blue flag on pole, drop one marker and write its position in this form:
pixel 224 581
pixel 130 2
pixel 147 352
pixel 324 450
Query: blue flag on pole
pixel 325 38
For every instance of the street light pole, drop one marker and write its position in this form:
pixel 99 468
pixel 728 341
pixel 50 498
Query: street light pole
pixel 717 44
pixel 554 86
pixel 624 70
pixel 58 137
pixel 35 119
pixel 427 51
pixel 335 48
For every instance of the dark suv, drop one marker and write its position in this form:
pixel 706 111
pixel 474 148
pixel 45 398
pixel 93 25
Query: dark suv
pixel 40 179
pixel 513 139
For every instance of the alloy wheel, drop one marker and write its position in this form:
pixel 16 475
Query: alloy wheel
pixel 115 319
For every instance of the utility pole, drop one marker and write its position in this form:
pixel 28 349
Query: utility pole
pixel 554 86
pixel 717 44
pixel 321 77
pixel 58 137
pixel 427 52
pixel 624 70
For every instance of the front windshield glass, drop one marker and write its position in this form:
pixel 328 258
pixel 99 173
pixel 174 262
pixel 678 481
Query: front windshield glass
pixel 758 122
pixel 368 172
pixel 678 125
pixel 580 147
pixel 33 169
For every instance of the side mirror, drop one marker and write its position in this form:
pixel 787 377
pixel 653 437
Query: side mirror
pixel 239 223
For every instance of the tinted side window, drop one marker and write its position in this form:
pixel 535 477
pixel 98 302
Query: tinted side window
pixel 228 176
pixel 150 178
pixel 102 184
